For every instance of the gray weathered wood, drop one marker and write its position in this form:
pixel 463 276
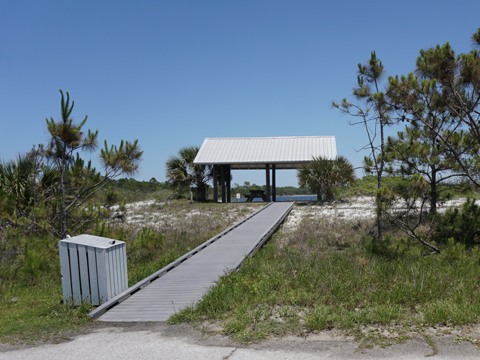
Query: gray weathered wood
pixel 65 270
pixel 188 281
pixel 93 269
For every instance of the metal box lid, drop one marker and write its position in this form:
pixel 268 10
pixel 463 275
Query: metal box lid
pixel 93 241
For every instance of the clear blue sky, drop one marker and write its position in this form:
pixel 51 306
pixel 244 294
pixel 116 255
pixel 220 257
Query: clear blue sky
pixel 170 73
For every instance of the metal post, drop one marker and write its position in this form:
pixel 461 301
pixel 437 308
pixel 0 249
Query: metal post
pixel 215 183
pixel 229 182
pixel 267 174
pixel 274 183
pixel 222 180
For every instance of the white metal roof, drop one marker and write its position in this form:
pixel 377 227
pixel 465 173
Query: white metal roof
pixel 255 152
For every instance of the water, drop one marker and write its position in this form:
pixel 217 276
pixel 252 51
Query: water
pixel 297 198
pixel 282 198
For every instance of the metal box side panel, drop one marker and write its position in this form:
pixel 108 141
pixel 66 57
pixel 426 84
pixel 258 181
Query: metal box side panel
pixel 102 275
pixel 84 273
pixel 65 272
pixel 75 274
pixel 93 275
pixel 111 288
pixel 123 267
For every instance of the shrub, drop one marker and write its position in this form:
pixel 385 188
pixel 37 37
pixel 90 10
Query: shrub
pixel 462 225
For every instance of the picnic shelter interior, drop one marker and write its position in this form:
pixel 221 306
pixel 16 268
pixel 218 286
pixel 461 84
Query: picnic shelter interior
pixel 264 153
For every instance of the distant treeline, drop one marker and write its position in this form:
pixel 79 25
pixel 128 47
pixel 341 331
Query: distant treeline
pixel 153 185
pixel 281 190
pixel 365 186
pixel 129 184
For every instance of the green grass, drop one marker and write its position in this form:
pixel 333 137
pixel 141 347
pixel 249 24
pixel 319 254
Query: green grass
pixel 36 313
pixel 31 308
pixel 316 283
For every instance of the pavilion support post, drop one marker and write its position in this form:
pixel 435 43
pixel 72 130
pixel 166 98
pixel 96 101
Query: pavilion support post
pixel 222 181
pixel 228 180
pixel 215 183
pixel 274 183
pixel 267 180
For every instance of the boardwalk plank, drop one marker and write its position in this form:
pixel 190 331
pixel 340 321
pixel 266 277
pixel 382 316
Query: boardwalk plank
pixel 187 283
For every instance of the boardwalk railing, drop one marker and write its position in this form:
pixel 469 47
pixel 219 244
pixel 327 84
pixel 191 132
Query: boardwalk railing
pixel 141 284
pixel 266 235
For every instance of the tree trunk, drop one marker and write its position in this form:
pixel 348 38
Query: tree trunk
pixel 63 206
pixel 433 192
pixel 319 195
pixel 378 213
pixel 380 166
pixel 201 193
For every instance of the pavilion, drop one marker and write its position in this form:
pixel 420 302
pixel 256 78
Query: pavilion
pixel 269 153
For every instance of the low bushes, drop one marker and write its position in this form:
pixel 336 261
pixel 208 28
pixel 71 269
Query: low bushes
pixel 308 281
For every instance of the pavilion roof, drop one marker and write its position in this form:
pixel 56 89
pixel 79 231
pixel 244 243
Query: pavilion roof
pixel 255 152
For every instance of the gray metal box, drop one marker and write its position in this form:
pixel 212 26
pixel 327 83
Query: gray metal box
pixel 94 269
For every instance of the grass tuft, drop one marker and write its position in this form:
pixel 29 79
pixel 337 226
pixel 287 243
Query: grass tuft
pixel 322 276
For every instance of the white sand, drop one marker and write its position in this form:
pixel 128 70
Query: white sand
pixel 354 209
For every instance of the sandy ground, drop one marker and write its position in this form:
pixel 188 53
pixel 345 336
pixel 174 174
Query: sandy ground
pixel 149 213
pixel 358 208
pixel 156 214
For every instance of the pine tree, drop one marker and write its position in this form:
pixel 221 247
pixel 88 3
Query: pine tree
pixel 417 149
pixel 78 180
pixel 373 112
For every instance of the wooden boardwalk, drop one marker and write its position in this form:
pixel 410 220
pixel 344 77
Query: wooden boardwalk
pixel 187 280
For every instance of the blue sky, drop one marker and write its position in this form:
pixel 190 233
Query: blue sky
pixel 170 73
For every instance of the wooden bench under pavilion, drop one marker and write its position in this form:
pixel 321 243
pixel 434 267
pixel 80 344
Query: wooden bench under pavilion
pixel 269 153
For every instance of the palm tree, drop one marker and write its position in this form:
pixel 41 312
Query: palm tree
pixel 184 175
pixel 16 181
pixel 323 176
